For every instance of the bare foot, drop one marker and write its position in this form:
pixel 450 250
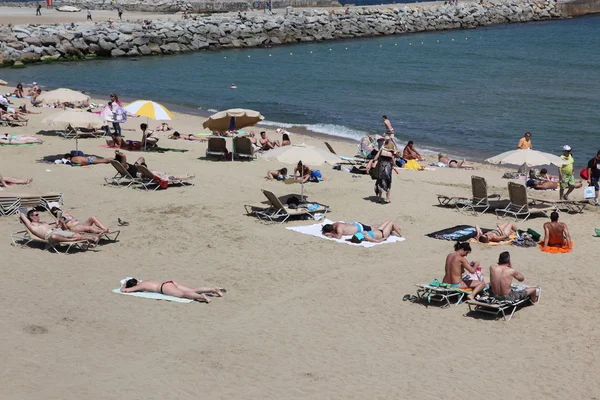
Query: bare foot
pixel 219 291
pixel 28 181
pixel 470 297
pixel 203 298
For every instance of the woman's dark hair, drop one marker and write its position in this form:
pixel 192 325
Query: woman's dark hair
pixel 143 126
pixel 131 283
pixel 285 136
pixel 327 228
pixel 409 143
pixel 462 246
pixel 176 134
pixel 543 171
pixel 68 156
pixel 356 240
pixel 484 239
pixel 283 171
pixel 114 96
pixel 119 157
pixel 110 103
pixel 20 86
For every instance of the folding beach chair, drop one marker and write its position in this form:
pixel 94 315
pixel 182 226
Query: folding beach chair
pixel 480 201
pixel 358 159
pixel 75 133
pixel 574 206
pixel 217 147
pixel 276 211
pixel 9 204
pixel 151 182
pixel 520 206
pixel 504 309
pixel 4 121
pixel 433 291
pixel 242 148
pixel 23 238
pixel 122 176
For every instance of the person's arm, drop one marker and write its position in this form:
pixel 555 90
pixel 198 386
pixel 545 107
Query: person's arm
pixel 546 236
pixel 24 219
pixel 370 239
pixel 589 172
pixel 467 265
pixel 560 177
pixel 335 234
pixel 567 235
pixel 518 276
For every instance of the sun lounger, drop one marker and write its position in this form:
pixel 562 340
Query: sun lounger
pixel 275 210
pixel 505 309
pixel 150 182
pixel 217 147
pixel 23 238
pixel 520 206
pixel 574 206
pixel 434 291
pixel 74 133
pixel 480 202
pixel 358 159
pixel 122 177
pixel 242 148
pixel 448 201
pixel 10 202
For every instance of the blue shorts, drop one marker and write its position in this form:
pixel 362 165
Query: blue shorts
pixel 595 183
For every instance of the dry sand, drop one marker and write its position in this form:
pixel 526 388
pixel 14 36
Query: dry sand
pixel 303 317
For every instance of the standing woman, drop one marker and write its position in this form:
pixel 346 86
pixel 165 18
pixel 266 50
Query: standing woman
pixel 115 99
pixel 385 161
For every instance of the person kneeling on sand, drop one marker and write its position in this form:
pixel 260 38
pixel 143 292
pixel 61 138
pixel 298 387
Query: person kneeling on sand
pixel 171 288
pixel 6 181
pixel 68 222
pixel 377 234
pixel 451 163
pixel 556 234
pixel 501 277
pixel 501 233
pixel 279 174
pixel 43 230
pixel 340 228
pixel 459 271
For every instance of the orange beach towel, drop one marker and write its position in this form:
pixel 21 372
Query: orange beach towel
pixel 556 249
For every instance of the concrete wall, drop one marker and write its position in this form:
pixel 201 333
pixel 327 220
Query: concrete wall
pixel 578 8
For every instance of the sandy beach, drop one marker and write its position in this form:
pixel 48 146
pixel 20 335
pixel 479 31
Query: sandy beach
pixel 303 317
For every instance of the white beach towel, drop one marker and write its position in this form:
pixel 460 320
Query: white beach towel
pixel 315 230
pixel 155 296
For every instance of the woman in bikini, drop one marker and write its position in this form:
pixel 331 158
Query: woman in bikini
pixel 279 174
pixel 70 223
pixel 172 288
pixel 501 233
pixel 378 234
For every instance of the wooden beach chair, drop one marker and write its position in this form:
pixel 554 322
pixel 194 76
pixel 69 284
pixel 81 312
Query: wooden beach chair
pixel 122 177
pixel 150 182
pixel 217 147
pixel 242 149
pixel 480 202
pixel 276 211
pixel 519 205
pixel 433 292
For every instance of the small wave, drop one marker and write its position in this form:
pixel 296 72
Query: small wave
pixel 211 110
pixel 278 124
pixel 326 129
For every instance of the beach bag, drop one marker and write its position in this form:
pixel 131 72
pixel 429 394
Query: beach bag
pixel 584 174
pixel 589 192
pixel 316 176
pixel 75 153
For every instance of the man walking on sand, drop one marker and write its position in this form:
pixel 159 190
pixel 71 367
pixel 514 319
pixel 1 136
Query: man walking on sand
pixel 89 14
pixel 593 173
pixel 565 173
pixel 556 234
pixel 120 12
pixel 501 277
pixel 38 10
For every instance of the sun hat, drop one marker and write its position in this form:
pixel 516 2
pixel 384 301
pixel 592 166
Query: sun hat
pixel 566 147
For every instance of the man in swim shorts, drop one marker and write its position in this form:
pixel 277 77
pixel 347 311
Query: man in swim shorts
pixel 340 228
pixel 501 277
pixel 87 160
pixel 457 265
pixel 45 231
pixel 556 234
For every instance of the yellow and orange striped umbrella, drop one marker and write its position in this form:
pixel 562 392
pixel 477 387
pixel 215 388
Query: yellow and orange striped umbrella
pixel 150 109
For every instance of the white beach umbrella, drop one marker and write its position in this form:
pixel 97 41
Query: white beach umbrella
pixel 63 95
pixel 149 109
pixel 234 118
pixel 3 83
pixel 75 119
pixel 309 155
pixel 529 158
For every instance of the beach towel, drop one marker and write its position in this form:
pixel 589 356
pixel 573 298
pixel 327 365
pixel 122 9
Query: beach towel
pixel 315 230
pixel 460 233
pixel 155 296
pixel 412 164
pixel 436 283
pixel 556 249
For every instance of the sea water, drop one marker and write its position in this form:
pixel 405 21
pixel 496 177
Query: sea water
pixel 471 92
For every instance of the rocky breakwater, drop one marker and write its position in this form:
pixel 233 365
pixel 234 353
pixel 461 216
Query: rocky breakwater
pixel 32 43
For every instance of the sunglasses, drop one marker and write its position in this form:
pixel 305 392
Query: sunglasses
pixel 35 215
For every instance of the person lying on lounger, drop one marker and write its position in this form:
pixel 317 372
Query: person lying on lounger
pixel 172 288
pixel 340 228
pixel 556 234
pixel 14 139
pixel 501 276
pixel 279 174
pixel 7 181
pixel 451 163
pixel 500 234
pixel 43 230
pixel 70 223
pixel 544 181
pixel 12 117
pixel 131 168
pixel 377 234
pixel 87 160
pixel 459 271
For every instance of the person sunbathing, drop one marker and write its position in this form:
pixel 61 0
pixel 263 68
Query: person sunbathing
pixel 279 174
pixel 132 169
pixel 176 135
pixel 45 231
pixel 12 117
pixel 545 181
pixel 87 160
pixel 7 181
pixel 459 271
pixel 266 143
pixel 377 234
pixel 340 228
pixel 501 233
pixel 285 140
pixel 556 234
pixel 23 109
pixel 14 139
pixel 19 92
pixel 410 153
pixel 164 127
pixel 501 276
pixel 452 163
pixel 172 288
pixel 68 222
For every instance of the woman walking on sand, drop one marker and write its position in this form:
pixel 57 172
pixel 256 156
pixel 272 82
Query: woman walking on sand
pixel 384 161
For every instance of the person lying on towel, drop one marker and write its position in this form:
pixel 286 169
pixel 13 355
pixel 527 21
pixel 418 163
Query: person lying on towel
pixel 377 234
pixel 340 228
pixel 500 234
pixel 172 288
pixel 457 265
pixel 501 276
pixel 556 234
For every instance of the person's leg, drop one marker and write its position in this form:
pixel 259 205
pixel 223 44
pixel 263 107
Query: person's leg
pixel 91 221
pixel 13 181
pixel 100 160
pixel 87 229
pixel 569 191
pixel 396 229
pixel 532 292
pixel 91 237
pixel 201 289
pixel 173 290
pixel 507 228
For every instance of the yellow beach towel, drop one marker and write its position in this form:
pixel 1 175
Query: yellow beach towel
pixel 412 164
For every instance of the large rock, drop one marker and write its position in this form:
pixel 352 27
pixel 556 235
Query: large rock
pixel 106 46
pixel 117 53
pixel 171 48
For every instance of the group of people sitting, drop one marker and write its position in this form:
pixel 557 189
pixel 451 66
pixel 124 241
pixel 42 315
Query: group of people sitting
pixel 359 232
pixel 302 173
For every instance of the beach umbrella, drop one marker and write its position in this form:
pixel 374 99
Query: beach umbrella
pixel 232 119
pixel 76 119
pixel 63 96
pixel 149 109
pixel 309 155
pixel 528 158
pixel 3 83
